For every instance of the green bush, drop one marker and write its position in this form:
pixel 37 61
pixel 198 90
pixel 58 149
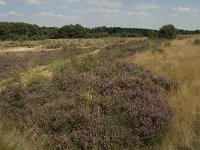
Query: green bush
pixel 4 146
pixel 152 34
pixel 168 32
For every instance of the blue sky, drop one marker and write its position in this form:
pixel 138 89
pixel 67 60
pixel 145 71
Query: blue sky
pixel 153 14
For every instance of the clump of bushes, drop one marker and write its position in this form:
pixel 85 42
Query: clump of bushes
pixel 153 34
pixel 168 32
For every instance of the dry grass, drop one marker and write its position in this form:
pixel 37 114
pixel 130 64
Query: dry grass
pixel 14 140
pixel 180 61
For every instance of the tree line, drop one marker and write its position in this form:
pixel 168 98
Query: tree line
pixel 25 31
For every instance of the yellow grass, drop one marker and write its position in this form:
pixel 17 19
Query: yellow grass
pixel 14 140
pixel 181 62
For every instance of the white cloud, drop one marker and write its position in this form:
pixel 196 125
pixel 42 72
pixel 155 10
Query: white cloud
pixel 71 1
pixel 67 2
pixel 147 6
pixel 2 2
pixel 97 3
pixel 138 14
pixel 185 10
pixel 105 3
pixel 34 2
pixel 47 14
pixel 106 11
pixel 112 11
pixel 51 14
pixel 110 16
pixel 172 15
pixel 14 13
pixel 11 14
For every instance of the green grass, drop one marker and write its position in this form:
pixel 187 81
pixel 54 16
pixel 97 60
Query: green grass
pixel 3 145
pixel 7 81
pixel 60 66
pixel 35 74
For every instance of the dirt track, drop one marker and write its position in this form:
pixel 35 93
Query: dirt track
pixel 23 49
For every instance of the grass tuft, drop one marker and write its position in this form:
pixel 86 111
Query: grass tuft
pixel 7 82
pixel 197 41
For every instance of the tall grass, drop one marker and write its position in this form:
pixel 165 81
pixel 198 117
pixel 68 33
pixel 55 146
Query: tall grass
pixel 179 62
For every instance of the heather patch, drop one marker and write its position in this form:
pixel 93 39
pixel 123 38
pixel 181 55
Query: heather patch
pixel 91 102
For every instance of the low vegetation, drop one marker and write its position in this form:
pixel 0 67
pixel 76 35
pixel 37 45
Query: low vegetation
pixel 86 98
pixel 168 32
pixel 108 93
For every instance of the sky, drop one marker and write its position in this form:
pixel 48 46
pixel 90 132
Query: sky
pixel 151 14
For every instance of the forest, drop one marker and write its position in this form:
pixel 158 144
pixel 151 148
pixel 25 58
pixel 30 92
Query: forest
pixel 25 31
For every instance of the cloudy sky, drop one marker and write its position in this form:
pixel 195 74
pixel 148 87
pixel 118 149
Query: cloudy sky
pixel 183 14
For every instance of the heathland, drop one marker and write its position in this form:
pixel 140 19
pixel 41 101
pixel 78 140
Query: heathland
pixel 109 93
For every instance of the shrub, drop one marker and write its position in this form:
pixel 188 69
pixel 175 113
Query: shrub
pixel 197 41
pixel 84 110
pixel 168 32
pixel 152 34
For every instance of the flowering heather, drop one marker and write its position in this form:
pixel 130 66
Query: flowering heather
pixel 11 63
pixel 112 105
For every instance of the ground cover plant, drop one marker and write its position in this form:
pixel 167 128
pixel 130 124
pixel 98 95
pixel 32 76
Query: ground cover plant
pixel 12 62
pixel 95 100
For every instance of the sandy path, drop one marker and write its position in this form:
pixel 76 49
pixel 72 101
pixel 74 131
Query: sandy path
pixel 23 49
